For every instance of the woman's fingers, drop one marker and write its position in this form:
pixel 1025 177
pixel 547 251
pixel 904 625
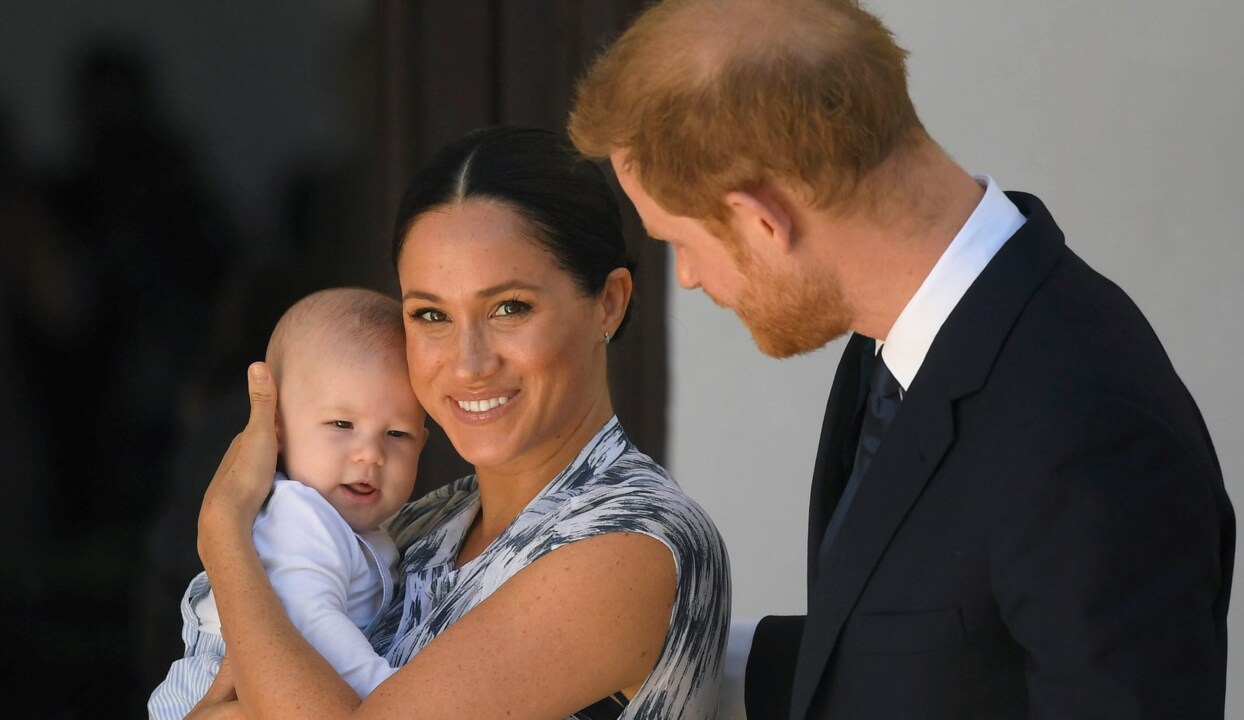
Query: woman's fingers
pixel 221 699
pixel 223 689
pixel 263 403
pixel 244 476
pixel 246 472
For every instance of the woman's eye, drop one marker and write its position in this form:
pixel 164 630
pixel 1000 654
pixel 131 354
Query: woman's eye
pixel 428 315
pixel 511 307
pixel 343 424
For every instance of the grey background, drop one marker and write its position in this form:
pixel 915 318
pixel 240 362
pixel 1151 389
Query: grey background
pixel 1125 117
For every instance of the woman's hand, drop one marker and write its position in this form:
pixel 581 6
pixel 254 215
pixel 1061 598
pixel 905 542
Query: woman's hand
pixel 221 700
pixel 244 477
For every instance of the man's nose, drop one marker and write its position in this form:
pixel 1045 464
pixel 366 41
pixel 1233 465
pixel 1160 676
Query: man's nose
pixel 684 273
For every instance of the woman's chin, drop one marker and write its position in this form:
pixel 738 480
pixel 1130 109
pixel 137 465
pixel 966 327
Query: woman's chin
pixel 478 449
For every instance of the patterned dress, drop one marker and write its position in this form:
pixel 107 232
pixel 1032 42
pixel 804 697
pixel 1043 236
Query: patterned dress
pixel 609 487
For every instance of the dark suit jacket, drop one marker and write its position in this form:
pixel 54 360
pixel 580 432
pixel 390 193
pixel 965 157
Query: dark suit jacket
pixel 1044 532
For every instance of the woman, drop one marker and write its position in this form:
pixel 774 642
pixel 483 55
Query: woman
pixel 569 576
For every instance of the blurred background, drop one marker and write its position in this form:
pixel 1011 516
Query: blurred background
pixel 172 177
pixel 174 174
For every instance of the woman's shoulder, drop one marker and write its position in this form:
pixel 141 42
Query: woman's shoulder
pixel 635 494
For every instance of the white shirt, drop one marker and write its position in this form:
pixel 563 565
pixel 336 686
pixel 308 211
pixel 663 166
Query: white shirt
pixel 987 229
pixel 332 581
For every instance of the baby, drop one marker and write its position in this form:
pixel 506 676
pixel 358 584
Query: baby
pixel 350 432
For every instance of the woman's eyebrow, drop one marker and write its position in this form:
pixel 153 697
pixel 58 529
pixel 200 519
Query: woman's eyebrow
pixel 507 286
pixel 420 295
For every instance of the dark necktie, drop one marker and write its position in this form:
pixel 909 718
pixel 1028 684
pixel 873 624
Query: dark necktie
pixel 879 411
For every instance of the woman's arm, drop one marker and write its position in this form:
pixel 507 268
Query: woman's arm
pixel 253 622
pixel 581 622
pixel 220 702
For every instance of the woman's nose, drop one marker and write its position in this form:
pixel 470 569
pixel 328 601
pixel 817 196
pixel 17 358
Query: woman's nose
pixel 476 356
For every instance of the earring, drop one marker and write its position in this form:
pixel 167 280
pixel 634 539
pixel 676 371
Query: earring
pixel 607 338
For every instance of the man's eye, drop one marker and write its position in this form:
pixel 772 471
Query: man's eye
pixel 512 307
pixel 343 424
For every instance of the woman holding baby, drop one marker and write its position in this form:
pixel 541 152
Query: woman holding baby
pixel 569 577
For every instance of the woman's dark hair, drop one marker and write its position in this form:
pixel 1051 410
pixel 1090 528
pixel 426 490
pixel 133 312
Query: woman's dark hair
pixel 565 199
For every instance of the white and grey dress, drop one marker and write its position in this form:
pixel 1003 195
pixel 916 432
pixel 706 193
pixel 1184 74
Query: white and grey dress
pixel 609 487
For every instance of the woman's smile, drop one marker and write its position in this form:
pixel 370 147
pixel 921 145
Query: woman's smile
pixel 479 406
pixel 501 341
pixel 485 409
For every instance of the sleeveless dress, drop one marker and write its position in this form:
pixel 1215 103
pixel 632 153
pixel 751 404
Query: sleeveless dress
pixel 609 487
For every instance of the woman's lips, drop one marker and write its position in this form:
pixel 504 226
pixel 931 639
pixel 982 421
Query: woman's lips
pixel 482 409
pixel 478 406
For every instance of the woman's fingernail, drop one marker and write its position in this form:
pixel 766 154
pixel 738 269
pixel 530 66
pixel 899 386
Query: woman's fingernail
pixel 257 373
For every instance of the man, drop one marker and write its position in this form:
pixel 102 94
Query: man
pixel 1016 510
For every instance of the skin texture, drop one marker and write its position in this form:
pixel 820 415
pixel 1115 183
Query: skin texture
pixel 582 622
pixel 489 316
pixel 350 428
pixel 799 276
pixel 787 309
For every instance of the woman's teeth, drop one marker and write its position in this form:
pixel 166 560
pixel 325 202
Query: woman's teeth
pixel 482 405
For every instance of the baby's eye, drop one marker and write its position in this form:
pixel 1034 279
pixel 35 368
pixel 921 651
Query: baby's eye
pixel 343 424
pixel 398 434
pixel 428 315
pixel 512 307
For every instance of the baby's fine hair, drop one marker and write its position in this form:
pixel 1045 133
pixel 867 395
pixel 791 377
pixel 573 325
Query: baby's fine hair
pixel 352 318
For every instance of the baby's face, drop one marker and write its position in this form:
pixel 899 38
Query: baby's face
pixel 351 428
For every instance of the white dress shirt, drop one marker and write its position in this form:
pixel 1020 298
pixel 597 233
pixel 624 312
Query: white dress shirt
pixel 987 229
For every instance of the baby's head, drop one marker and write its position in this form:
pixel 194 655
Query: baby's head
pixel 348 423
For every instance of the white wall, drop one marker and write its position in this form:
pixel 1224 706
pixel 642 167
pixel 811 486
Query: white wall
pixel 1126 118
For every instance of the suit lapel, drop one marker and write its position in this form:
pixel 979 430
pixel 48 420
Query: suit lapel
pixel 912 448
pixel 957 364
pixel 840 426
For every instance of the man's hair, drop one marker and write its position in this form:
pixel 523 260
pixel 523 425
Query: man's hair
pixel 709 96
pixel 355 320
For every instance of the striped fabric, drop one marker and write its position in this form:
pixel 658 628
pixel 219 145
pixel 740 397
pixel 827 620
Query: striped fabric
pixel 332 582
pixel 610 487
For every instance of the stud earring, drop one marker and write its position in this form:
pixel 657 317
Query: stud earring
pixel 607 338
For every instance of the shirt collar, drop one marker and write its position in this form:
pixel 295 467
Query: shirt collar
pixel 991 224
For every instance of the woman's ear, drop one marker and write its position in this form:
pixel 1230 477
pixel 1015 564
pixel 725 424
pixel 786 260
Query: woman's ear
pixel 615 298
pixel 761 218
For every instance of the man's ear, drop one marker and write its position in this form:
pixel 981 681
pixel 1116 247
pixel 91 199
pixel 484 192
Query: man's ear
pixel 761 217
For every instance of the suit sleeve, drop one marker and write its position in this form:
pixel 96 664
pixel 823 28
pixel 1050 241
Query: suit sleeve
pixel 771 666
pixel 310 555
pixel 1107 564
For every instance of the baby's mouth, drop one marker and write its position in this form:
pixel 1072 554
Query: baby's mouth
pixel 361 489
